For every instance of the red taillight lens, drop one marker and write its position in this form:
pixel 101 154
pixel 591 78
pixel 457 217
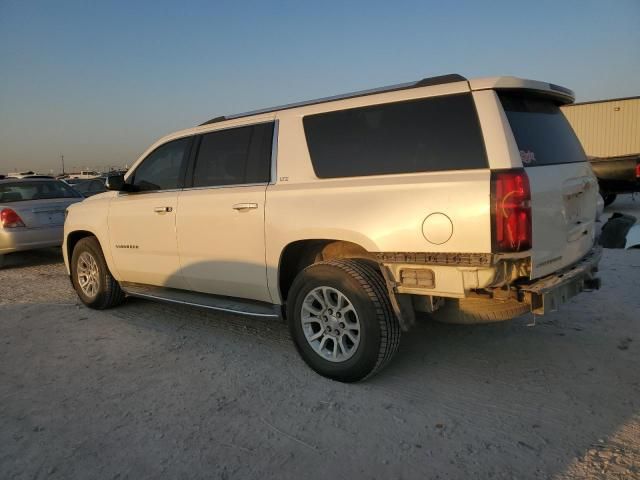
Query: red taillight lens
pixel 637 170
pixel 511 210
pixel 10 219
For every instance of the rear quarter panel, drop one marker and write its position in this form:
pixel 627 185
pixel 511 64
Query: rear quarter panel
pixel 382 213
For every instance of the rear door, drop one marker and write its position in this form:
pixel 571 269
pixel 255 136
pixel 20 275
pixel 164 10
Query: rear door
pixel 563 188
pixel 221 216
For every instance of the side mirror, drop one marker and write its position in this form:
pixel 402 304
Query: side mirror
pixel 115 182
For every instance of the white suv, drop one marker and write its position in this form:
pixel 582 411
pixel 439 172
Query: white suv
pixel 470 200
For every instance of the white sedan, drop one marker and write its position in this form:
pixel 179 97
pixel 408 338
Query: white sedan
pixel 32 213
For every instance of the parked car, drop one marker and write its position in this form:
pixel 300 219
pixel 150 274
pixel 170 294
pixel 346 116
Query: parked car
pixel 84 174
pixel 617 175
pixel 27 175
pixel 20 174
pixel 470 200
pixel 88 188
pixel 32 213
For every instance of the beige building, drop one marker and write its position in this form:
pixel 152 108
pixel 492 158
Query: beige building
pixel 607 128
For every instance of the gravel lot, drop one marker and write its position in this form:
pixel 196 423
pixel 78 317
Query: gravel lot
pixel 155 391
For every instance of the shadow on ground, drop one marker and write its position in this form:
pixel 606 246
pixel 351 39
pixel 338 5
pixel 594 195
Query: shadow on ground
pixel 46 256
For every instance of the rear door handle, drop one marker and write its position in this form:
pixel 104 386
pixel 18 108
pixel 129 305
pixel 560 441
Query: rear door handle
pixel 245 206
pixel 163 209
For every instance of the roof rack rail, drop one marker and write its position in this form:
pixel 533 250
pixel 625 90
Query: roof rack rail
pixel 425 82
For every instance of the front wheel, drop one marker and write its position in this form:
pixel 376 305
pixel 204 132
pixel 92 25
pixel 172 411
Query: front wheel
pixel 341 319
pixel 91 277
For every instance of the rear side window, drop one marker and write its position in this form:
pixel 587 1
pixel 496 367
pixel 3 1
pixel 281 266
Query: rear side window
pixel 162 169
pixel 427 135
pixel 543 134
pixel 234 156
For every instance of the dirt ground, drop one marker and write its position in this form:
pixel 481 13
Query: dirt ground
pixel 150 390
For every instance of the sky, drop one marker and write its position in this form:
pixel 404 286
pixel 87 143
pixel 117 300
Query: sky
pixel 98 82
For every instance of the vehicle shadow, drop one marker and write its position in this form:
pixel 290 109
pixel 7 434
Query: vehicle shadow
pixel 512 390
pixel 30 258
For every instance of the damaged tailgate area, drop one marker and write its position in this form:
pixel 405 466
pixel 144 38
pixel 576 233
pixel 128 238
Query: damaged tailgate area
pixel 548 293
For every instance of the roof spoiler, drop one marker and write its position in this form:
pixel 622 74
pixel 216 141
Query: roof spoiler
pixel 561 94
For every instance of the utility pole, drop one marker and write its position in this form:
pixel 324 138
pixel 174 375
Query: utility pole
pixel 62 159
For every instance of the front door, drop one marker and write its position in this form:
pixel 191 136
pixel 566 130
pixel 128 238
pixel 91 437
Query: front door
pixel 142 223
pixel 220 221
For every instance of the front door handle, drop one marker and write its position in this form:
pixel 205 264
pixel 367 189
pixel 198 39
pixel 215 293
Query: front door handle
pixel 162 209
pixel 245 206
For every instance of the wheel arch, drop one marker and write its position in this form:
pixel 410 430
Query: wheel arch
pixel 74 237
pixel 71 240
pixel 299 254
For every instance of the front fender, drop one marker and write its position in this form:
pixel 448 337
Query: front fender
pixel 91 218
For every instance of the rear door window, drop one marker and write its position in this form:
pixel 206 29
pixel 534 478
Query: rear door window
pixel 234 156
pixel 542 133
pixel 426 135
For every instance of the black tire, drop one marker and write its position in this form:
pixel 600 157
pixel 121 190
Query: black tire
pixel 473 310
pixel 109 294
pixel 1 261
pixel 609 198
pixel 363 285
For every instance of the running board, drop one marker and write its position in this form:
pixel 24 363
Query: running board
pixel 239 306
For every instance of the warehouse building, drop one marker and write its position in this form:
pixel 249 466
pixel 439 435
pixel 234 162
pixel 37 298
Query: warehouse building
pixel 607 128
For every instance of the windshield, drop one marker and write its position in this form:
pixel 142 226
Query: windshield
pixel 23 191
pixel 543 134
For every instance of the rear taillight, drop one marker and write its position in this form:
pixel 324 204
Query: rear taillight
pixel 511 210
pixel 10 219
pixel 638 170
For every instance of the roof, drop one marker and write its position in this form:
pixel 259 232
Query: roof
pixel 27 179
pixel 425 82
pixel 563 95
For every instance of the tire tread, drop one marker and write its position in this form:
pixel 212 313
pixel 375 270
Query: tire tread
pixel 372 282
pixel 111 295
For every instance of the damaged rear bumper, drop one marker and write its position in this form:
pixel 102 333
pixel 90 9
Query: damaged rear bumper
pixel 545 295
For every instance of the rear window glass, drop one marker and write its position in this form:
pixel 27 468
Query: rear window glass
pixel 543 134
pixel 23 191
pixel 433 134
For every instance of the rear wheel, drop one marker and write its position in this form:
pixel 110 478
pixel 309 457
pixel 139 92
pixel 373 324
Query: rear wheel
pixel 91 277
pixel 609 198
pixel 1 260
pixel 341 319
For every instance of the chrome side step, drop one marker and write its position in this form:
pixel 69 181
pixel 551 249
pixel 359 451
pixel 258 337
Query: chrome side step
pixel 237 306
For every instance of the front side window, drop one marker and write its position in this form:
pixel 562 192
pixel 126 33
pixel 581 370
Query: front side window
pixel 234 156
pixel 162 169
pixel 425 135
